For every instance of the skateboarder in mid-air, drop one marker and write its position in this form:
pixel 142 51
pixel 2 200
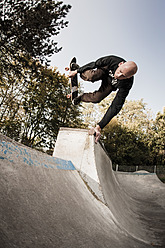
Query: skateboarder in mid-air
pixel 115 74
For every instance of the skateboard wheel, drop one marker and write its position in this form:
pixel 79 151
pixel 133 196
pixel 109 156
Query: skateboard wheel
pixel 68 96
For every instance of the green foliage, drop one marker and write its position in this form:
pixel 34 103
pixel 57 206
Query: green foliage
pixel 33 111
pixel 33 103
pixel 124 146
pixel 28 26
pixel 135 116
pixel 26 34
pixel 132 137
pixel 157 139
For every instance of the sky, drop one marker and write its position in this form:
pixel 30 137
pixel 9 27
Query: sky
pixel 131 29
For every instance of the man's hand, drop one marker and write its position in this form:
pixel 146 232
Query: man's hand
pixel 96 132
pixel 72 73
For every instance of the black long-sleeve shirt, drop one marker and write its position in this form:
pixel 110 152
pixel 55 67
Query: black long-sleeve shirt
pixel 111 63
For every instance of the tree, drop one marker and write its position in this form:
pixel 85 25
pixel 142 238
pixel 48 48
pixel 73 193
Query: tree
pixel 27 30
pixel 33 112
pixel 27 38
pixel 136 116
pixel 133 115
pixel 126 136
pixel 124 146
pixel 47 108
pixel 157 139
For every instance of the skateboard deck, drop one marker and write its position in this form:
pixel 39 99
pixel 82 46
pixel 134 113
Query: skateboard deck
pixel 73 81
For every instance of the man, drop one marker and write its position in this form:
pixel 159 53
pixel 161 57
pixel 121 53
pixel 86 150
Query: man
pixel 115 74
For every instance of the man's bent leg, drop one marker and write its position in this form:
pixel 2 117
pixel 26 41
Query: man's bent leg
pixel 98 95
pixel 93 75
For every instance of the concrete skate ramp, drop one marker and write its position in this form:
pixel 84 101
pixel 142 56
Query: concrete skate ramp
pixel 51 201
pixel 135 200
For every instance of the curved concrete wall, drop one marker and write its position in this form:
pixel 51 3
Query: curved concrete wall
pixel 45 203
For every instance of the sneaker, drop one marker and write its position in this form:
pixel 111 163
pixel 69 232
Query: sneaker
pixel 74 66
pixel 77 100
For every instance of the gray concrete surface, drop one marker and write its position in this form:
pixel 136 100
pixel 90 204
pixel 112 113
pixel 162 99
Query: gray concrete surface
pixel 47 201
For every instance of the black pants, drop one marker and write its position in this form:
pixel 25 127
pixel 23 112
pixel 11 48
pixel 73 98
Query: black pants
pixel 105 88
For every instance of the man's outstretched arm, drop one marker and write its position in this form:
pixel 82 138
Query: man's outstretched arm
pixel 113 110
pixel 115 107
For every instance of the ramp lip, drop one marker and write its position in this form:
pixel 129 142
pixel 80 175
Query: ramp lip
pixel 145 173
pixel 73 129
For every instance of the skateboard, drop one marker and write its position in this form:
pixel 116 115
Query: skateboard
pixel 73 81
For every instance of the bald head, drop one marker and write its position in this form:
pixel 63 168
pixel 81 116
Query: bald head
pixel 130 67
pixel 126 70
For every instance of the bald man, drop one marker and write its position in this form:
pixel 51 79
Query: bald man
pixel 115 74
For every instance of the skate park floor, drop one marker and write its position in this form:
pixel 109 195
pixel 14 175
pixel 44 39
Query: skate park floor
pixel 75 199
